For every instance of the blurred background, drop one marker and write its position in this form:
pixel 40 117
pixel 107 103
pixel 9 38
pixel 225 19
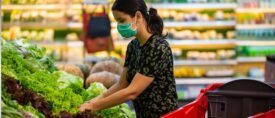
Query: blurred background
pixel 212 40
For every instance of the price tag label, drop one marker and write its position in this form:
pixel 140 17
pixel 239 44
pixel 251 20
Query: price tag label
pixel 95 1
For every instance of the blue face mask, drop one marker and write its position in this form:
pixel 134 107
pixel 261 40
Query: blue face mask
pixel 125 29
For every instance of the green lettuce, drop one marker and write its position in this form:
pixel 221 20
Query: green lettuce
pixel 95 89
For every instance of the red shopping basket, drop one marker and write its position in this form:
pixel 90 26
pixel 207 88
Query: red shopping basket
pixel 197 108
pixel 269 114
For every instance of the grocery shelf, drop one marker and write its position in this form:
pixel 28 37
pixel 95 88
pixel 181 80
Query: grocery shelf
pixel 202 44
pixel 39 25
pixel 256 43
pixel 255 10
pixel 95 1
pixel 196 24
pixel 180 81
pixel 190 44
pixel 51 44
pixel 204 62
pixel 255 26
pixel 41 6
pixel 200 24
pixel 202 80
pixel 250 59
pixel 192 6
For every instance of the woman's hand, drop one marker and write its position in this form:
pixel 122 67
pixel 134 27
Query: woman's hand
pixel 90 105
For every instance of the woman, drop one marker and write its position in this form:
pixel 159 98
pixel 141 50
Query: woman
pixel 147 77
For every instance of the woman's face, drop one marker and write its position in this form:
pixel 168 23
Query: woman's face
pixel 122 17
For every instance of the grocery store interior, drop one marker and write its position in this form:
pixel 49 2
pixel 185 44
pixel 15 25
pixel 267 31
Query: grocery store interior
pixel 213 41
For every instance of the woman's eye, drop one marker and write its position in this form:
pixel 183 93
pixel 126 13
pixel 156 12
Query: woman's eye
pixel 121 21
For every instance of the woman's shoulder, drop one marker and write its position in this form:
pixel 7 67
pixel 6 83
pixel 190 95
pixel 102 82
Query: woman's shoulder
pixel 160 41
pixel 132 44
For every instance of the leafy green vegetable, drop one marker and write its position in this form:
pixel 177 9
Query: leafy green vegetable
pixel 28 64
pixel 9 112
pixel 120 111
pixel 6 101
pixel 24 62
pixel 66 79
pixel 95 89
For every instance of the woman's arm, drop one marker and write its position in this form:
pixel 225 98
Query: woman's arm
pixel 121 84
pixel 137 86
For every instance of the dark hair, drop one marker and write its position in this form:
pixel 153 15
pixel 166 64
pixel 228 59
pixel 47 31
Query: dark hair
pixel 130 7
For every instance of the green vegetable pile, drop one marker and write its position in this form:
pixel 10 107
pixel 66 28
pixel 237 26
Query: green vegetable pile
pixel 28 64
pixel 120 111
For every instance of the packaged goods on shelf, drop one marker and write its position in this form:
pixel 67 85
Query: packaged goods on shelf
pixel 256 34
pixel 198 72
pixel 35 35
pixel 220 72
pixel 189 1
pixel 176 15
pixel 45 16
pixel 256 18
pixel 256 3
pixel 196 34
pixel 211 55
pixel 39 1
pixel 255 51
pixel 188 72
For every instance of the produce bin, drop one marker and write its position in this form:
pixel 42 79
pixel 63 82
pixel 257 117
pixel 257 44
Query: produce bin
pixel 240 99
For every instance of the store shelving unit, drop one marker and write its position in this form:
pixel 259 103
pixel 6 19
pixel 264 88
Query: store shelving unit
pixel 39 25
pixel 255 10
pixel 192 6
pixel 185 81
pixel 195 24
pixel 256 43
pixel 205 24
pixel 250 59
pixel 204 62
pixel 191 44
pixel 41 6
pixel 255 26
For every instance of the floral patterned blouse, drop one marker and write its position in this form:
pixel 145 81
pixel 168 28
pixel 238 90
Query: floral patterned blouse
pixel 153 59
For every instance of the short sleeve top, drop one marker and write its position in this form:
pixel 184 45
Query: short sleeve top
pixel 153 59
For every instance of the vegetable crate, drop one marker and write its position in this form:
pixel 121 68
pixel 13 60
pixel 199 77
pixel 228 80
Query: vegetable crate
pixel 236 97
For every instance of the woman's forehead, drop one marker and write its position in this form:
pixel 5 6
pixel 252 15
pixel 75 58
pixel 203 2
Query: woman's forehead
pixel 120 15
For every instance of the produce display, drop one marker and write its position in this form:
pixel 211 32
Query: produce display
pixel 109 66
pixel 106 78
pixel 47 34
pixel 72 69
pixel 31 80
pixel 38 1
pixel 199 35
pixel 176 15
pixel 35 35
pixel 204 55
pixel 42 16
